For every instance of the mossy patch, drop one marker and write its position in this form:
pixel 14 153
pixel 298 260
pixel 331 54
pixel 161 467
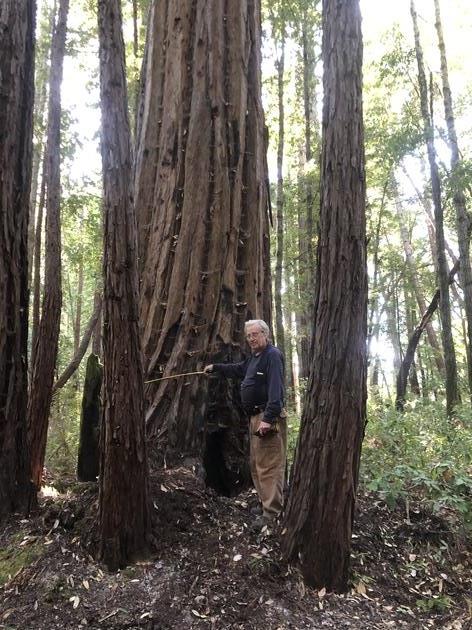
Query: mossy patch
pixel 16 556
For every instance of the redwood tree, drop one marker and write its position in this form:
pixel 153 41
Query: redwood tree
pixel 17 24
pixel 124 517
pixel 201 197
pixel 320 509
pixel 46 344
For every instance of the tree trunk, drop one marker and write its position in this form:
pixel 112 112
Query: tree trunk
pixel 37 263
pixel 43 50
pixel 201 196
pixel 124 516
pixel 88 459
pixel 463 224
pixel 402 375
pixel 97 331
pixel 279 317
pixel 320 510
pixel 306 213
pixel 78 313
pixel 392 325
pixel 452 392
pixel 45 352
pixel 17 25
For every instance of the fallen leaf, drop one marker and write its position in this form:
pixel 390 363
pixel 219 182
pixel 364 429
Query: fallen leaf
pixel 237 557
pixel 197 614
pixel 86 584
pixel 163 488
pixel 75 601
pixel 322 592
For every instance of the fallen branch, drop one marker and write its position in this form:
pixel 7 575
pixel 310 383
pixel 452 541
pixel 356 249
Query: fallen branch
pixel 81 350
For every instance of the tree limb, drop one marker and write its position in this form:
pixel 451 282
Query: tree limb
pixel 79 355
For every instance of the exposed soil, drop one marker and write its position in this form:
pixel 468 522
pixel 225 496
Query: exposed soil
pixel 210 571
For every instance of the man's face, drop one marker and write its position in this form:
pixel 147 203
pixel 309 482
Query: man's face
pixel 256 338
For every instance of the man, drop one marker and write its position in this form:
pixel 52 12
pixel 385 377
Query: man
pixel 263 395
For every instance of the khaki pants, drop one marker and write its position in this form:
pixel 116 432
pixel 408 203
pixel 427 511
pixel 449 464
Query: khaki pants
pixel 267 461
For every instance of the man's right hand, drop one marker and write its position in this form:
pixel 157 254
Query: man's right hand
pixel 208 369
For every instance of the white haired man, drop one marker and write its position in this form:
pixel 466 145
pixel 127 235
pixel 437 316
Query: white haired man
pixel 262 378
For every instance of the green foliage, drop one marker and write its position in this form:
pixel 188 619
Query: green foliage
pixel 438 603
pixel 19 553
pixel 63 436
pixel 420 455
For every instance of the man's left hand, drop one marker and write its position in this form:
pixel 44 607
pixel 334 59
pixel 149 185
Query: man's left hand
pixel 264 427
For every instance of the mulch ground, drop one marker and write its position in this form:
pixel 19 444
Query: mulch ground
pixel 210 571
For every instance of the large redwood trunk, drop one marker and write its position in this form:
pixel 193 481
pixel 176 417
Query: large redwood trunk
pixel 45 350
pixel 201 197
pixel 124 517
pixel 320 509
pixel 17 24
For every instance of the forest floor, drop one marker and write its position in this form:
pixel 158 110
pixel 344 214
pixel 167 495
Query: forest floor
pixel 210 571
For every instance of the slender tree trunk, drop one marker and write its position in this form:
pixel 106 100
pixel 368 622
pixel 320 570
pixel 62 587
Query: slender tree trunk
pixel 402 375
pixel 78 313
pixel 97 331
pixel 17 25
pixel 452 392
pixel 463 224
pixel 40 118
pixel 279 317
pixel 306 214
pixel 373 302
pixel 124 516
pixel 45 352
pixel 37 263
pixel 201 199
pixel 392 331
pixel 320 511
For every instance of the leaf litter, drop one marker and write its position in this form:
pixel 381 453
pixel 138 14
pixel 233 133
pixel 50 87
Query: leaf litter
pixel 210 570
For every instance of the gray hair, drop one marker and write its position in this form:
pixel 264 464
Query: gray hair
pixel 259 322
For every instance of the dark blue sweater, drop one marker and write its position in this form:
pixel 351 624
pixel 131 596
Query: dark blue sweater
pixel 262 385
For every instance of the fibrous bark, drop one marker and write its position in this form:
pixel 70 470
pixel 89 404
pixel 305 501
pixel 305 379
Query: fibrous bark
pixel 201 199
pixel 124 516
pixel 320 510
pixel 45 350
pixel 17 27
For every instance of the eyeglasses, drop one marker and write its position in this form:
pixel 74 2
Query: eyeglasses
pixel 254 335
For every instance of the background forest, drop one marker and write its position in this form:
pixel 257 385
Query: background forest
pixel 420 449
pixel 172 106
